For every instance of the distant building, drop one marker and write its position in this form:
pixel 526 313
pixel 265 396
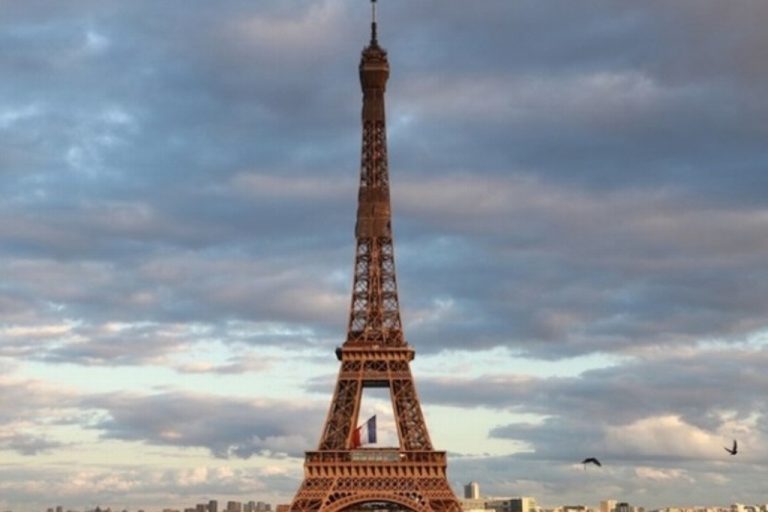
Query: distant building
pixel 213 506
pixel 472 491
pixel 623 507
pixel 521 504
pixel 575 508
pixel 234 506
pixel 468 505
pixel 201 507
pixel 607 506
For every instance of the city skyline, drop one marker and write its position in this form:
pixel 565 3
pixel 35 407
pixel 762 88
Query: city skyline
pixel 579 217
pixel 471 501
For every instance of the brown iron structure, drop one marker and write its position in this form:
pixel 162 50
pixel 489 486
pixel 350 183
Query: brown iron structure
pixel 375 354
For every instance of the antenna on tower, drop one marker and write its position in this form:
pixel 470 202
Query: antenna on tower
pixel 373 22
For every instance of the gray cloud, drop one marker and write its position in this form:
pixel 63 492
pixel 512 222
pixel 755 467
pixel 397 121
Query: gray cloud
pixel 658 424
pixel 144 312
pixel 27 444
pixel 550 275
pixel 612 58
pixel 228 427
pixel 160 151
pixel 28 410
pixel 552 279
pixel 721 379
pixel 27 400
pixel 674 407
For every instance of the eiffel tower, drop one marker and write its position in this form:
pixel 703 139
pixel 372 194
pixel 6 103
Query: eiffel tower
pixel 339 476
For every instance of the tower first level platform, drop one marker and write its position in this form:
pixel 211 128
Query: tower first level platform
pixel 338 480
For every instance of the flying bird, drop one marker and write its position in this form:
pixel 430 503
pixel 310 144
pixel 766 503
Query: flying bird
pixel 734 450
pixel 591 460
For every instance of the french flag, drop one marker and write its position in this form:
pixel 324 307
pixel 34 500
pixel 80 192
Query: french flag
pixel 365 433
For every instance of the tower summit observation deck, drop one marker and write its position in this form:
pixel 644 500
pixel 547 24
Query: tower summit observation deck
pixel 340 475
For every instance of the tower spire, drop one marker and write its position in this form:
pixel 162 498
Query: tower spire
pixel 373 22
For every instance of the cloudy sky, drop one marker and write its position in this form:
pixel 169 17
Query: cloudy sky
pixel 581 223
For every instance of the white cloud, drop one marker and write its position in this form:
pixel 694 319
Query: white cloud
pixel 292 36
pixel 12 115
pixel 595 97
pixel 663 436
pixel 662 474
pixel 270 186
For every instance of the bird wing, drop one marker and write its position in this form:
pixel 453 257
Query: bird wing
pixel 735 445
pixel 597 462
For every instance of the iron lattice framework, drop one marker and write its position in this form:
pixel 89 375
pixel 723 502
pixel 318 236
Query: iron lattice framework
pixel 375 354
